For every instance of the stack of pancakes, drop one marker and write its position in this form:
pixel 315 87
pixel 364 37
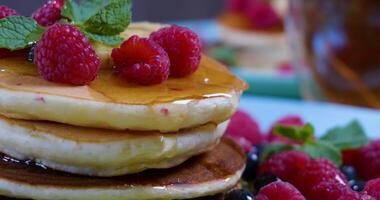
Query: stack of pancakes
pixel 115 140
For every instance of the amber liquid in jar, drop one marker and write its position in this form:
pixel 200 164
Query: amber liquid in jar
pixel 338 43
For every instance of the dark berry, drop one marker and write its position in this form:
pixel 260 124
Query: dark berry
pixel 64 55
pixel 244 130
pixel 349 171
pixel 316 172
pixel 279 191
pixel 239 195
pixel 286 164
pixel 373 188
pixel 357 185
pixel 183 46
pixel 253 163
pixel 6 12
pixel 49 13
pixel 263 180
pixel 367 161
pixel 142 61
pixel 31 53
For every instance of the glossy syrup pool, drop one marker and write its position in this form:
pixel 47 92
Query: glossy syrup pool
pixel 211 79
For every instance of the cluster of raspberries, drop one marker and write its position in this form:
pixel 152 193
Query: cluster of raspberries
pixel 65 55
pixel 297 175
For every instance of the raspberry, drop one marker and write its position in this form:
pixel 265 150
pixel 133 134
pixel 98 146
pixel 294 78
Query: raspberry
pixel 316 172
pixel 328 190
pixel 49 13
pixel 244 130
pixel 373 188
pixel 183 46
pixel 6 12
pixel 285 164
pixel 367 161
pixel 262 15
pixel 64 55
pixel 279 191
pixel 142 61
pixel 291 120
pixel 356 196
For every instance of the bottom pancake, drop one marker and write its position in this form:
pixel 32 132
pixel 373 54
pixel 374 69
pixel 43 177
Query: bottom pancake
pixel 208 174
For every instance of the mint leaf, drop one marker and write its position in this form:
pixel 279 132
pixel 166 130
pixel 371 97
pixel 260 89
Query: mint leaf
pixel 18 32
pixel 112 19
pixel 301 134
pixel 322 149
pixel 80 13
pixel 272 149
pixel 105 39
pixel 351 136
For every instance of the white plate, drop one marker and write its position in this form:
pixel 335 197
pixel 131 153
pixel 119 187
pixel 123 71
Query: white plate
pixel 322 115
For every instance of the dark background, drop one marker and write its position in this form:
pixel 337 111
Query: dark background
pixel 152 10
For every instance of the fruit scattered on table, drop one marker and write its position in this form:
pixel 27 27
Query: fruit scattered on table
pixel 340 165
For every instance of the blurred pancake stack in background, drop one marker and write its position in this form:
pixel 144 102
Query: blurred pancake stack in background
pixel 255 30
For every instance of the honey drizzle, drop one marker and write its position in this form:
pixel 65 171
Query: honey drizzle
pixel 212 79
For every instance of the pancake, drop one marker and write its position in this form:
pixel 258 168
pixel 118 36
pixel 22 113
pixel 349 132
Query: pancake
pixel 208 174
pixel 100 152
pixel 209 95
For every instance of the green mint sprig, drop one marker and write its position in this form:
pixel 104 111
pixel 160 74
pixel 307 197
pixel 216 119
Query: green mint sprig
pixel 329 146
pixel 100 20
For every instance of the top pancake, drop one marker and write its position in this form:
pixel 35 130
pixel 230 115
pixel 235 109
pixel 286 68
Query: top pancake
pixel 209 95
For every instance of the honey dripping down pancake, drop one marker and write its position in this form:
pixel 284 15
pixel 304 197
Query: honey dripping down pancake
pixel 208 174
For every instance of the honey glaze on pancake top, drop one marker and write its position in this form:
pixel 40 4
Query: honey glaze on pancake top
pixel 210 80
